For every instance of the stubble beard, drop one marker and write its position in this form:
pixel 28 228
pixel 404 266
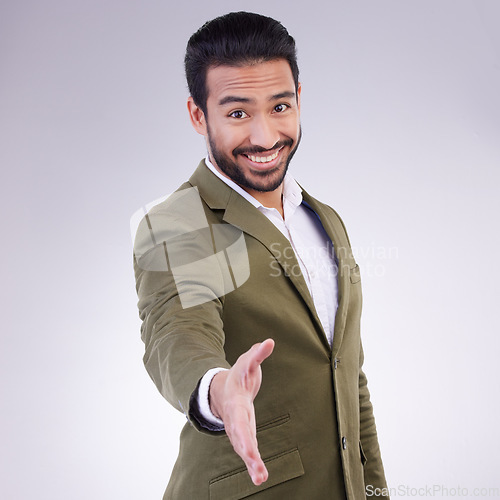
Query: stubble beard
pixel 269 179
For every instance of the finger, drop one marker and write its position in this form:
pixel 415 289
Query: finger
pixel 249 367
pixel 258 473
pixel 243 438
pixel 255 465
pixel 259 352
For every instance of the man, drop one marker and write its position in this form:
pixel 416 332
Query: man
pixel 249 293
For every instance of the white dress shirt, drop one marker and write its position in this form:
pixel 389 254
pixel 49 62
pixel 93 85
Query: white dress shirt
pixel 314 252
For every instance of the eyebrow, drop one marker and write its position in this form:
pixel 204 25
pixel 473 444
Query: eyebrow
pixel 232 98
pixel 282 95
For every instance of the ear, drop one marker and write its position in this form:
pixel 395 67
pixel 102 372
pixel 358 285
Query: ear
pixel 197 117
pixel 299 90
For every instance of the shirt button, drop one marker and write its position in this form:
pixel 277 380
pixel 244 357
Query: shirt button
pixel 344 443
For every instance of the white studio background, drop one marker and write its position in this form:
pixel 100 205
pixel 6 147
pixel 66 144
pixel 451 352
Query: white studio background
pixel 401 119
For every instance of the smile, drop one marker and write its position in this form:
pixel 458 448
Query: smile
pixel 264 159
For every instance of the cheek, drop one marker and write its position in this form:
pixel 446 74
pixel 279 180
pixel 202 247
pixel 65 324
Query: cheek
pixel 233 138
pixel 292 128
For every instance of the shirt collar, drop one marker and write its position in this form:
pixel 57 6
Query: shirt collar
pixel 292 193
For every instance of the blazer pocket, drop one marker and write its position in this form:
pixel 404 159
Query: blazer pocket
pixel 275 422
pixel 354 274
pixel 237 485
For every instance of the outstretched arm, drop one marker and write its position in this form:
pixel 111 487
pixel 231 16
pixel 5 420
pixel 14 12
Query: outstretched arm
pixel 232 394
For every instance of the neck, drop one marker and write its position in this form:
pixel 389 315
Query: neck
pixel 270 199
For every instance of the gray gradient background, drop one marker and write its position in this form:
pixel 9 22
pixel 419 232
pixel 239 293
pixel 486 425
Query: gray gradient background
pixel 401 110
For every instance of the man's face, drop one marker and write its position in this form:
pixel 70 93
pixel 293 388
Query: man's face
pixel 252 122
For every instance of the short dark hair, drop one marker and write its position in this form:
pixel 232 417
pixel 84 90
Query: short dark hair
pixel 236 39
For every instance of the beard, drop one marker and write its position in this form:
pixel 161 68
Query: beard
pixel 263 181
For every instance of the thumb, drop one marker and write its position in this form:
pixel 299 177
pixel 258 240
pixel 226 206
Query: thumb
pixel 263 351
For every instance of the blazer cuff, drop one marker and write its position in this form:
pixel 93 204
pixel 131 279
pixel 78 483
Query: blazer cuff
pixel 200 404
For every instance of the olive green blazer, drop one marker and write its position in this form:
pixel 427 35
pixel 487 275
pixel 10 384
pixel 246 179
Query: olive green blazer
pixel 315 425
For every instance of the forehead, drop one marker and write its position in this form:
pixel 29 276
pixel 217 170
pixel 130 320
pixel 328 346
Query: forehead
pixel 257 80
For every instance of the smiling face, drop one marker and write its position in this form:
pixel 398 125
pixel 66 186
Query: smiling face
pixel 252 123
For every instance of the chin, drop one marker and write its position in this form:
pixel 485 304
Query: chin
pixel 266 181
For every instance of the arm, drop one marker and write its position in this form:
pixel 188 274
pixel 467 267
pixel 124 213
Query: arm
pixel 181 314
pixel 181 345
pixel 373 468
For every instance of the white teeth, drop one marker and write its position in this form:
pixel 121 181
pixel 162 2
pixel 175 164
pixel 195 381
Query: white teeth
pixel 263 159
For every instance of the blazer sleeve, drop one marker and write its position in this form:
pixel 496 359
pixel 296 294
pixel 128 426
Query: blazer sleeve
pixel 370 452
pixel 182 326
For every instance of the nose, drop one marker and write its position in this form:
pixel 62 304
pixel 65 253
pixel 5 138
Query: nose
pixel 263 132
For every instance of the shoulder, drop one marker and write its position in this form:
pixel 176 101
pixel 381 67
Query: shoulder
pixel 172 221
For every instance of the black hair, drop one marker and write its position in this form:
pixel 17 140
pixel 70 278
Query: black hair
pixel 236 39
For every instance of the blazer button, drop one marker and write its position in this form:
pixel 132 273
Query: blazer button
pixel 344 443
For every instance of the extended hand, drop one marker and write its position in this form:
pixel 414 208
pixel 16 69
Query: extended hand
pixel 231 399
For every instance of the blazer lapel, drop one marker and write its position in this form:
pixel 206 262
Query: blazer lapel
pixel 343 255
pixel 243 215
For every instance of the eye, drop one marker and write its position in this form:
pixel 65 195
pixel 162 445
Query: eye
pixel 238 114
pixel 279 108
